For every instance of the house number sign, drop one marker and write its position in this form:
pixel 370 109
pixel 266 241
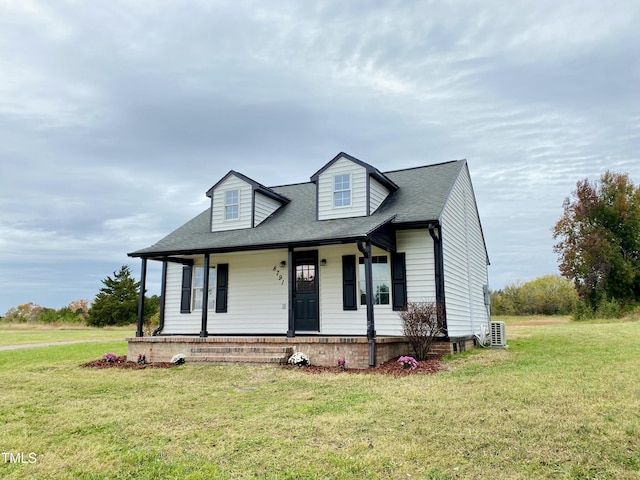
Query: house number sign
pixel 278 275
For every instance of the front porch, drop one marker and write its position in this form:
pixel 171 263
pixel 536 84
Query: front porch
pixel 321 350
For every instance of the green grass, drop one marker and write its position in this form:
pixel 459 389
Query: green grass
pixel 562 402
pixel 23 333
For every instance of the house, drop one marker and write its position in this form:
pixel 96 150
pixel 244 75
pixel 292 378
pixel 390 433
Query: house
pixel 323 266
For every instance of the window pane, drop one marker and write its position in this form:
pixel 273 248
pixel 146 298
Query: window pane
pixel 231 197
pixel 198 281
pixel 342 199
pixel 231 212
pixel 305 278
pixel 212 297
pixel 341 182
pixel 197 298
pixel 382 294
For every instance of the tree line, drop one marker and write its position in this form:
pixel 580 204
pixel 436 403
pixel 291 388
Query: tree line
pixel 546 295
pixel 115 304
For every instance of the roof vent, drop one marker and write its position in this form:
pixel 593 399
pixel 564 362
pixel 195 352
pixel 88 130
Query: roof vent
pixel 498 335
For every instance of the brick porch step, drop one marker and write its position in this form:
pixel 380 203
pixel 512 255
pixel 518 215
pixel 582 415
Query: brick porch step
pixel 246 354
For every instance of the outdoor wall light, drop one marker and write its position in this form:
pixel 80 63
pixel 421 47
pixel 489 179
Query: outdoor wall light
pixel 283 264
pixel 323 262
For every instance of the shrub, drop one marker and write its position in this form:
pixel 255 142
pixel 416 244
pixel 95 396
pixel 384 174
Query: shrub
pixel 421 324
pixel 150 324
pixel 603 309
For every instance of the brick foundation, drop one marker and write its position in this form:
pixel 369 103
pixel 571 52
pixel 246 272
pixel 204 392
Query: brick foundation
pixel 325 351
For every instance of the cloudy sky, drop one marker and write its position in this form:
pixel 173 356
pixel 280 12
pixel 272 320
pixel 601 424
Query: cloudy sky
pixel 117 117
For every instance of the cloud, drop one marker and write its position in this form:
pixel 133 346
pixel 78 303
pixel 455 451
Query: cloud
pixel 115 118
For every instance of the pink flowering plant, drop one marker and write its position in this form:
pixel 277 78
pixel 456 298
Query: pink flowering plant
pixel 110 357
pixel 408 362
pixel 342 363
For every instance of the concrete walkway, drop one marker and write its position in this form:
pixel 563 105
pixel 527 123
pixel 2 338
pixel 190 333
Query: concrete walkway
pixel 47 344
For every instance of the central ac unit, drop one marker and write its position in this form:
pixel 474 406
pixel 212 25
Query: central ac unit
pixel 498 335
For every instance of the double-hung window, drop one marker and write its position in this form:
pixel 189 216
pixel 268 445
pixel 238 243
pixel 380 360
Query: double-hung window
pixel 198 288
pixel 231 205
pixel 342 191
pixel 381 280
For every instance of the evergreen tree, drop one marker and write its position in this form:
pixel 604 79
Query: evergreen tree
pixel 117 301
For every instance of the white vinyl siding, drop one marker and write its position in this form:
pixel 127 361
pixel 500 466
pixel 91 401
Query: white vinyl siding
pixel 264 206
pixel 465 265
pixel 219 221
pixel 420 266
pixel 326 189
pixel 333 319
pixel 418 248
pixel 377 194
pixel 257 299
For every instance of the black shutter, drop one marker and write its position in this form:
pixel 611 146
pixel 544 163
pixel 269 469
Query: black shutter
pixel 349 297
pixel 185 299
pixel 399 281
pixel 222 282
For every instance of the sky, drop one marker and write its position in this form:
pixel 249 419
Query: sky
pixel 117 117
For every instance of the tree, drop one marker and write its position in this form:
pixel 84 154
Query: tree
pixel 546 295
pixel 599 240
pixel 117 301
pixel 27 312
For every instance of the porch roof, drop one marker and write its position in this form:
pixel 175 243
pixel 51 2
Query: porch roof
pixel 420 198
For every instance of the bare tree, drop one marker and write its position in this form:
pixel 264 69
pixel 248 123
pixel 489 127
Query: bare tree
pixel 421 325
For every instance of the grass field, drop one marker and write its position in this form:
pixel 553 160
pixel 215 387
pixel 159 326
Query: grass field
pixel 24 333
pixel 562 402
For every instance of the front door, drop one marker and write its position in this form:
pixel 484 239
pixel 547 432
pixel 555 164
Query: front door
pixel 305 292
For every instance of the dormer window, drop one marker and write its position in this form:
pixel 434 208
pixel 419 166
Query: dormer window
pixel 342 191
pixel 231 205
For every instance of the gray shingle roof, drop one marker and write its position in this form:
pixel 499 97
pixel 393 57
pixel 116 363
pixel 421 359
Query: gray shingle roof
pixel 422 194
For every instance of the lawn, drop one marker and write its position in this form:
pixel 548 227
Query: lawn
pixel 562 402
pixel 26 333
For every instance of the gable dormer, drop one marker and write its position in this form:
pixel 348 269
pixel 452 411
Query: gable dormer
pixel 239 202
pixel 348 187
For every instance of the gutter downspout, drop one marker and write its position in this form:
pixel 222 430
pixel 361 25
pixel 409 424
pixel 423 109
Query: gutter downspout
pixel 163 297
pixel 439 273
pixel 365 249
